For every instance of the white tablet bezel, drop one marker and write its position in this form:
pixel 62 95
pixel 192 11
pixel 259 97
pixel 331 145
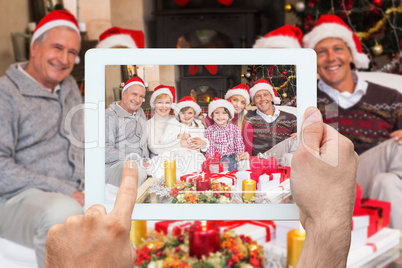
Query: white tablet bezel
pixel 95 62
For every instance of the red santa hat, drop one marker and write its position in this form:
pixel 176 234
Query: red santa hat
pixel 217 103
pixel 287 36
pixel 54 19
pixel 263 84
pixel 331 26
pixel 242 90
pixel 162 89
pixel 186 102
pixel 135 80
pixel 117 36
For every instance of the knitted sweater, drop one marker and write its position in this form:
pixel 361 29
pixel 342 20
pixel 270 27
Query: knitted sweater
pixel 156 126
pixel 259 136
pixel 125 134
pixel 41 144
pixel 368 122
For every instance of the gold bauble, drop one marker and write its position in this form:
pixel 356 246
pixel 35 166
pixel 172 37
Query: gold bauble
pixel 242 75
pixel 288 8
pixel 284 95
pixel 377 49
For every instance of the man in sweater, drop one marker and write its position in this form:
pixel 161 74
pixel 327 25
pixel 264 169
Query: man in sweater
pixel 266 126
pixel 41 141
pixel 126 132
pixel 370 115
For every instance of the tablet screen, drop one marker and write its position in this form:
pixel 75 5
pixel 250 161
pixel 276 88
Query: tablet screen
pixel 203 74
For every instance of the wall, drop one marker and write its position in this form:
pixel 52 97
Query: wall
pixel 14 17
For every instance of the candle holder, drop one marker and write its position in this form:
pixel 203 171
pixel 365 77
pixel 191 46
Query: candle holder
pixel 248 187
pixel 170 173
pixel 204 239
pixel 203 183
pixel 296 239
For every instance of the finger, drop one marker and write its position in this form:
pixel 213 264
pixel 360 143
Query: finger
pixel 312 130
pixel 96 210
pixel 127 194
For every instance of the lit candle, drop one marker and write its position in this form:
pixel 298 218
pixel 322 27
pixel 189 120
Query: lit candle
pixel 202 183
pixel 170 173
pixel 138 232
pixel 296 239
pixel 248 188
pixel 204 238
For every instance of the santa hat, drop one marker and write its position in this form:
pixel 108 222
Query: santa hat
pixel 186 102
pixel 242 90
pixel 162 89
pixel 331 26
pixel 263 84
pixel 287 36
pixel 54 19
pixel 116 36
pixel 135 80
pixel 217 103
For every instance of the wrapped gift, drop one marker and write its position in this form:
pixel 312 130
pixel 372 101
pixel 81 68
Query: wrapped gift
pixel 282 230
pixel 265 179
pixel 172 227
pixel 260 231
pixel 228 178
pixel 373 219
pixel 359 231
pixel 190 177
pixel 215 164
pixel 358 200
pixel 383 210
pixel 375 246
pixel 240 177
pixel 257 163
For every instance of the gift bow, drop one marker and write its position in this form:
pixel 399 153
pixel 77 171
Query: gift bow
pixel 216 160
pixel 229 175
pixel 255 175
pixel 268 225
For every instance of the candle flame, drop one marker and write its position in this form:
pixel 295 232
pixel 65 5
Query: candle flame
pixel 203 175
pixel 204 225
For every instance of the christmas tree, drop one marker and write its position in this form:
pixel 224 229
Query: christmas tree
pixel 377 23
pixel 281 77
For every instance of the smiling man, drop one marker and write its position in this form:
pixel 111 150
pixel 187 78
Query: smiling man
pixel 370 115
pixel 41 156
pixel 126 132
pixel 267 126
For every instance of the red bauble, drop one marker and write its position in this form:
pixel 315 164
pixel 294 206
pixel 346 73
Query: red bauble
pixel 377 3
pixel 284 73
pixel 181 3
pixel 226 2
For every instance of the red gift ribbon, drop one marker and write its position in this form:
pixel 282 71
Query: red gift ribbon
pixel 234 224
pixel 373 246
pixel 215 176
pixel 217 159
pixel 192 176
pixel 255 175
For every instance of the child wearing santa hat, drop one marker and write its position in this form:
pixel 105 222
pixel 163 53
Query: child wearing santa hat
pixel 223 136
pixel 185 127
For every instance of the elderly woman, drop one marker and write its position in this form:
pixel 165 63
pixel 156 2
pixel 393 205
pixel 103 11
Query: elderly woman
pixel 161 101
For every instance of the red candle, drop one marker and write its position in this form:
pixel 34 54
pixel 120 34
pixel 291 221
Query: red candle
pixel 202 183
pixel 204 239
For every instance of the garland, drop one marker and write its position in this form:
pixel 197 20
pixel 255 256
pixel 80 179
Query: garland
pixel 379 24
pixel 160 250
pixel 185 192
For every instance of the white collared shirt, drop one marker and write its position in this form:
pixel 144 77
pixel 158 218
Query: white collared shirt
pixel 345 99
pixel 56 88
pixel 269 118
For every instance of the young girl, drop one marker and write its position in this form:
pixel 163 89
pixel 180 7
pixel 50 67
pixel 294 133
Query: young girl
pixel 185 128
pixel 240 98
pixel 223 136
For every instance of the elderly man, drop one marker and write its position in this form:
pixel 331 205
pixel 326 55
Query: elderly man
pixel 266 126
pixel 370 115
pixel 41 152
pixel 126 132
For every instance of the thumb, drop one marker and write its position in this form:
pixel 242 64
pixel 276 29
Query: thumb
pixel 312 130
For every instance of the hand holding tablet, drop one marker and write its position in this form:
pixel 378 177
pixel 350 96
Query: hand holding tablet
pixel 97 239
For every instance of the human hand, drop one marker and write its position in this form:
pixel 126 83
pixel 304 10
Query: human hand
pixel 97 239
pixel 397 135
pixel 183 136
pixel 79 197
pixel 323 184
pixel 294 136
pixel 242 156
pixel 197 143
pixel 201 117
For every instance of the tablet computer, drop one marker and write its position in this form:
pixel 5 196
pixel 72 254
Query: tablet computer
pixel 171 63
